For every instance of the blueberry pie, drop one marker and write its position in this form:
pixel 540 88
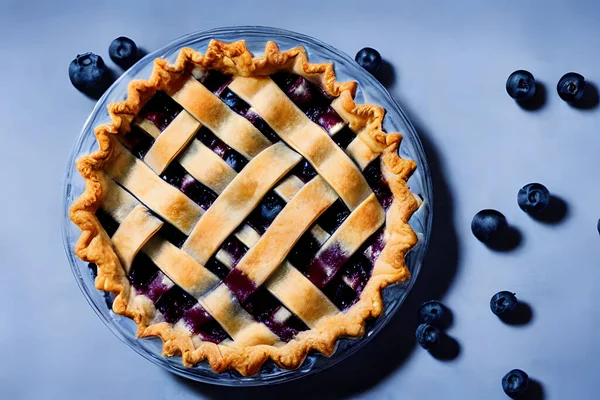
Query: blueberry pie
pixel 245 208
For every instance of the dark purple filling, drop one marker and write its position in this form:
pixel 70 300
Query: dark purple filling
pixel 138 141
pixel 234 102
pixel 173 304
pixel 357 272
pixel 340 294
pixel 107 222
pixel 241 286
pixel 304 170
pixel 242 108
pixel 303 251
pixel 172 234
pixel 324 267
pixel 344 137
pixel 263 306
pixel 177 176
pixel 263 215
pixel 201 323
pixel 146 278
pixel 161 110
pixel 234 248
pixel 333 217
pixel 217 268
pixel 215 81
pixel 310 98
pixel 378 184
pixel 374 246
pixel 231 157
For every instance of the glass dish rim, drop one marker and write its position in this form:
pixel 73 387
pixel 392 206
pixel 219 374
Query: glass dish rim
pixel 288 375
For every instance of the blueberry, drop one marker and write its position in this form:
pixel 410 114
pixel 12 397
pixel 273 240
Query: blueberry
pixel 515 383
pixel 571 87
pixel 488 225
pixel 431 312
pixel 520 85
pixel 428 336
pixel 503 303
pixel 89 74
pixel 598 226
pixel 369 59
pixel 123 52
pixel 533 198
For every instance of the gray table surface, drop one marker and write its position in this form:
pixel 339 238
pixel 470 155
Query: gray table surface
pixel 450 62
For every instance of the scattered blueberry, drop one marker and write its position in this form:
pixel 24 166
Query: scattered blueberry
pixel 571 87
pixel 520 85
pixel 431 312
pixel 503 303
pixel 598 226
pixel 488 225
pixel 123 52
pixel 89 74
pixel 369 59
pixel 533 198
pixel 428 336
pixel 515 383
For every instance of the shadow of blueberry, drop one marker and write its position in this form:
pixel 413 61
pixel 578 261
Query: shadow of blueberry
pixel 386 74
pixel 556 211
pixel 510 240
pixel 535 391
pixel 522 315
pixel 446 321
pixel 538 100
pixel 590 98
pixel 447 350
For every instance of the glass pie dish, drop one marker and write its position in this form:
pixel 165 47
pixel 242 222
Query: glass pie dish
pixel 369 91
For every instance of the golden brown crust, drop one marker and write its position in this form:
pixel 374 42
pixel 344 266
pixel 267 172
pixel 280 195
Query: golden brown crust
pixel 94 245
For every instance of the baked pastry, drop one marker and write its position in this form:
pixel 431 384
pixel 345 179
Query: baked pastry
pixel 245 208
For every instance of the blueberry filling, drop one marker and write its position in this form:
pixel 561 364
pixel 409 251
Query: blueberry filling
pixel 177 176
pixel 146 278
pixel 138 141
pixel 378 184
pixel 172 234
pixel 107 222
pixel 324 267
pixel 266 211
pixel 304 170
pixel 262 126
pixel 235 249
pixel 217 267
pixel 201 323
pixel 357 272
pixel 161 110
pixel 173 304
pixel 333 217
pixel 240 284
pixel 344 137
pixel 311 99
pixel 234 102
pixel 215 81
pixel 264 306
pixel 231 157
pixel 340 294
pixel 304 251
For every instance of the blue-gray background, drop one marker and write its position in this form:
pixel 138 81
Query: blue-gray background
pixel 450 62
